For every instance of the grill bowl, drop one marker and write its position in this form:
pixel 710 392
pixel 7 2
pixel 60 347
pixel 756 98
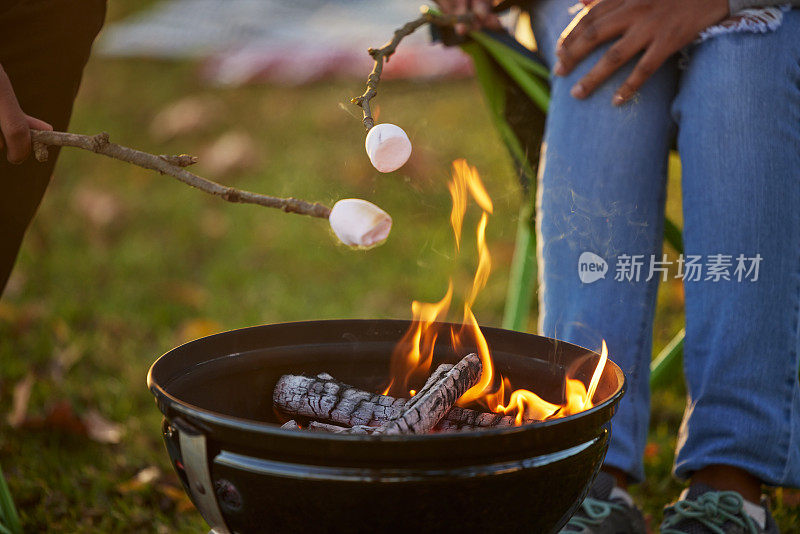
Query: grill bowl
pixel 246 474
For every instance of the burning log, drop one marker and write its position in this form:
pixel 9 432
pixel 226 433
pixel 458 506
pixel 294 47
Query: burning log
pixel 336 429
pixel 421 413
pixel 326 399
pixel 316 426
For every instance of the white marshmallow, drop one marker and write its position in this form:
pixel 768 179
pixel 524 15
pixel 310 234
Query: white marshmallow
pixel 359 223
pixel 388 147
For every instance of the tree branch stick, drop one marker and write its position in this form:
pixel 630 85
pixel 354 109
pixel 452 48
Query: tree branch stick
pixel 424 410
pixel 381 55
pixel 172 166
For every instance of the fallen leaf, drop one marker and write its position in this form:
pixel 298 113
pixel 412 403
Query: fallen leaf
pixel 196 328
pixel 148 475
pixel 8 313
pixel 60 417
pixel 100 429
pixel 24 316
pixel 178 496
pixel 20 399
pixel 187 293
pixel 100 208
pixel 63 360
pixel 188 115
pixel 231 153
pixel 61 330
pixel 142 479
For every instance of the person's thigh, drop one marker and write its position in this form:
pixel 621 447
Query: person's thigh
pixel 738 113
pixel 44 46
pixel 601 190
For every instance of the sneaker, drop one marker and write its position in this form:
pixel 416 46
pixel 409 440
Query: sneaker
pixel 703 510
pixel 606 510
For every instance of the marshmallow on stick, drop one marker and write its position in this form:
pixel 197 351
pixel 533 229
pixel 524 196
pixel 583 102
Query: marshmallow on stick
pixel 359 223
pixel 388 147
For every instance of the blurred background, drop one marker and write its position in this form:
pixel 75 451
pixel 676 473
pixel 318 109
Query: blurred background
pixel 123 264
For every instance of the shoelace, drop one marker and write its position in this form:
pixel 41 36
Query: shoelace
pixel 593 512
pixel 712 510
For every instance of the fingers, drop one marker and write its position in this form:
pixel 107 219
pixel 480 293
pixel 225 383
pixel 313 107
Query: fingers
pixel 653 58
pixel 13 123
pixel 659 29
pixel 590 21
pixel 588 34
pixel 616 56
pixel 461 7
pixel 37 124
pixel 484 16
pixel 446 5
pixel 480 9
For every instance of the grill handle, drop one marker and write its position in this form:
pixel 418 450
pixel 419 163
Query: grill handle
pixel 193 455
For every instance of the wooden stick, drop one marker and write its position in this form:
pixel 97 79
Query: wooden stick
pixel 421 413
pixel 172 166
pixel 326 399
pixel 381 55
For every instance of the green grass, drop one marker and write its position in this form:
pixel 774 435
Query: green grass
pixel 93 303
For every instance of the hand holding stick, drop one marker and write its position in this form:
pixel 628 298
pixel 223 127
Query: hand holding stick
pixel 356 222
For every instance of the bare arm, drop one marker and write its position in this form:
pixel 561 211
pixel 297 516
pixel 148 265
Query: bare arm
pixel 15 125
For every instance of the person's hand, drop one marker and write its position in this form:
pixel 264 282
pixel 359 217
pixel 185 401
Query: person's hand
pixel 482 9
pixel 15 125
pixel 658 28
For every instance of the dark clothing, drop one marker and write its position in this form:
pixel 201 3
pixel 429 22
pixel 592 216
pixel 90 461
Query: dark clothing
pixel 44 45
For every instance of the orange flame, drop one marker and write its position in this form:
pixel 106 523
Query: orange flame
pixel 528 406
pixel 578 398
pixel 413 355
pixel 469 175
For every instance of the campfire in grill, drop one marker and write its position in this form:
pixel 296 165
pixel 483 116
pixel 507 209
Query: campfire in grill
pixel 330 406
pixel 475 471
pixel 381 426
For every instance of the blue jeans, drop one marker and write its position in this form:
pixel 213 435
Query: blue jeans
pixel 735 106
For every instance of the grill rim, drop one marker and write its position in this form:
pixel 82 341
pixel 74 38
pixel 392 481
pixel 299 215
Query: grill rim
pixel 169 404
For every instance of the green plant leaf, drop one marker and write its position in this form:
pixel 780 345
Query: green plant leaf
pixel 8 513
pixel 522 60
